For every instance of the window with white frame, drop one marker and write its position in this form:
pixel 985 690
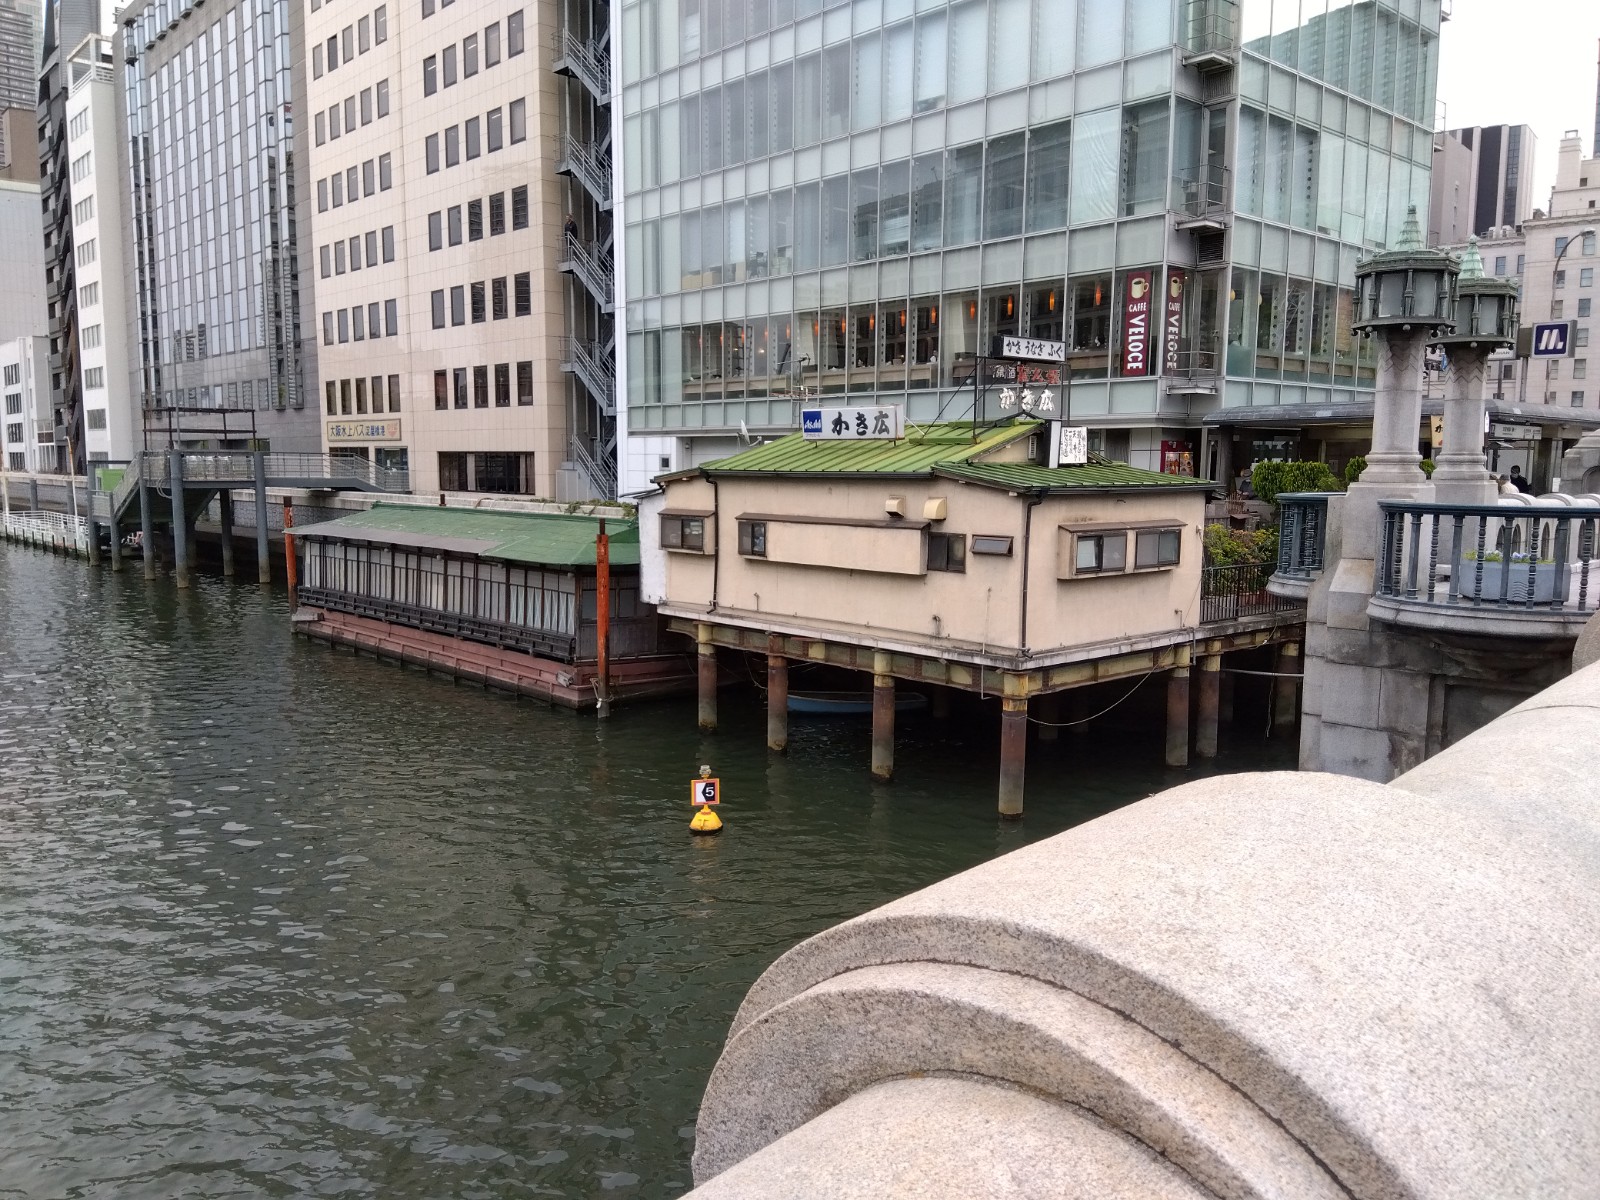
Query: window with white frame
pixel 94 377
pixel 90 337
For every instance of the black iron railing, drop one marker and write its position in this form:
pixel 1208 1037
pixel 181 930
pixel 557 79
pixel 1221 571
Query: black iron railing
pixel 1505 557
pixel 451 624
pixel 1302 526
pixel 1239 590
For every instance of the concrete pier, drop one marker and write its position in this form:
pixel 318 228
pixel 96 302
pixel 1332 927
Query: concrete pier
pixel 1178 711
pixel 1207 706
pixel 882 719
pixel 225 507
pixel 777 701
pixel 706 655
pixel 1286 687
pixel 1013 753
pixel 263 549
pixel 180 522
pixel 146 529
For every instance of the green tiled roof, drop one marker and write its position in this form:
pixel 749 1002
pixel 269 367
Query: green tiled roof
pixel 922 449
pixel 548 539
pixel 1098 474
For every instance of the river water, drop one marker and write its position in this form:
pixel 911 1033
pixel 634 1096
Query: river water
pixel 281 921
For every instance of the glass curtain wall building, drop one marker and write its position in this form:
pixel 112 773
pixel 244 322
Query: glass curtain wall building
pixel 836 199
pixel 214 292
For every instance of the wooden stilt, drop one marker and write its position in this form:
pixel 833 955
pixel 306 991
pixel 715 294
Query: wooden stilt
pixel 707 658
pixel 1178 711
pixel 882 718
pixel 1205 731
pixel 1013 753
pixel 777 696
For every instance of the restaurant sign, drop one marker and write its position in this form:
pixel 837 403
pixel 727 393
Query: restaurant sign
pixel 385 430
pixel 855 423
pixel 1136 324
pixel 1173 333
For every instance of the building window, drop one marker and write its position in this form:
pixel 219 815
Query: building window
pixel 1580 338
pixel 459 378
pixel 364 34
pixel 374 325
pixel 1561 246
pixel 361 395
pixel 344 325
pixel 327 328
pixel 447 66
pixel 91 337
pixel 1500 264
pixel 321 123
pixel 519 207
pixel 474 220
pixel 325 260
pixel 474 138
pixel 316 61
pixel 94 377
pixel 322 195
pixel 1583 306
pixel 366 106
pixel 96 418
pixel 380 24
pixel 502 385
pixel 522 288
pixel 479 307
pixel 1580 368
pixel 455 224
pixel 338 258
pixel 458 305
pixel 386 236
pixel 391 318
pixel 1099 553
pixel 1588 245
pixel 1577 399
pixel 383 97
pixel 469 56
pixel 480 387
pixel 683 533
pixel 394 392
pixel 524 383
pixel 438 308
pixel 514 34
pixel 441 389
pixel 753 538
pixel 947 552
pixel 1586 277
pixel 491 45
pixel 385 173
pixel 497 214
pixel 1555 309
pixel 1156 548
pixel 452 146
pixel 452 472
pixel 358 324
pixel 517 112
pixel 436 230
pixel 498 292
pixel 990 543
pixel 344 398
pixel 496 130
pixel 331 392
pixel 430 152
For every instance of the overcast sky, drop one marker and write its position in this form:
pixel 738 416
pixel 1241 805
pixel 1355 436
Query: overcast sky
pixel 1523 62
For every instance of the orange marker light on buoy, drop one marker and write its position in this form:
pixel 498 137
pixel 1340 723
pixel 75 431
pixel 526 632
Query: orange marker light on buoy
pixel 704 794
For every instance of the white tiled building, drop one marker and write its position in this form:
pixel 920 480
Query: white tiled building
pixel 28 430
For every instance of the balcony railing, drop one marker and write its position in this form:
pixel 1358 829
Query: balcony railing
pixel 597 368
pixel 1201 191
pixel 589 63
pixel 590 266
pixel 1210 27
pixel 592 167
pixel 1239 590
pixel 1509 563
pixel 1302 524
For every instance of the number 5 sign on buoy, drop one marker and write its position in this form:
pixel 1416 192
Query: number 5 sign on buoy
pixel 705 791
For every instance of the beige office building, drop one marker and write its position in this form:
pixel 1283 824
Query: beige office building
pixel 436 223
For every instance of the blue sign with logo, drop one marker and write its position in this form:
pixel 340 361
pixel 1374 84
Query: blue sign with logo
pixel 1552 339
pixel 811 421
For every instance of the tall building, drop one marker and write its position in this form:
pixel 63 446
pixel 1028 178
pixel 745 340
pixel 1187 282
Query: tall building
pixel 856 201
pixel 112 421
pixel 1482 180
pixel 20 44
pixel 28 432
pixel 67 23
pixel 219 354
pixel 441 220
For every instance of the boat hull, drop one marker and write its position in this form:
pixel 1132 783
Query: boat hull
pixel 849 704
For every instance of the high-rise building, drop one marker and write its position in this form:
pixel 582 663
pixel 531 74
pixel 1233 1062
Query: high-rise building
pixel 441 217
pixel 67 23
pixel 22 299
pixel 826 202
pixel 112 421
pixel 1482 180
pixel 20 44
pixel 212 158
pixel 28 431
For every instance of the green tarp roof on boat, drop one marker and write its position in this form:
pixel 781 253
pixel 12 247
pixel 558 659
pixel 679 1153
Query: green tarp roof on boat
pixel 547 539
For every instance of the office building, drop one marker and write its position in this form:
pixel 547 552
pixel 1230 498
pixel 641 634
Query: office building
pixel 21 41
pixel 1482 180
pixel 221 353
pixel 29 431
pixel 22 299
pixel 113 428
pixel 832 202
pixel 67 23
pixel 444 211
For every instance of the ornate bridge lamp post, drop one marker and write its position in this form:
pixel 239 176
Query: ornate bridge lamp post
pixel 1405 297
pixel 1485 321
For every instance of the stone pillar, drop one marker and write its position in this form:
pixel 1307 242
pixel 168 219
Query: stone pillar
pixel 1392 470
pixel 115 531
pixel 1050 717
pixel 147 533
pixel 180 519
pixel 777 696
pixel 225 509
pixel 1462 476
pixel 1208 705
pixel 1286 687
pixel 1013 753
pixel 1178 711
pixel 706 655
pixel 33 495
pixel 263 546
pixel 882 718
pixel 92 529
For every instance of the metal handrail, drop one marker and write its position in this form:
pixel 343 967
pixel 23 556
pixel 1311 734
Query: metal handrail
pixel 1203 189
pixel 592 167
pixel 1238 590
pixel 592 269
pixel 1490 557
pixel 597 370
pixel 1302 527
pixel 600 475
pixel 589 64
pixel 1211 26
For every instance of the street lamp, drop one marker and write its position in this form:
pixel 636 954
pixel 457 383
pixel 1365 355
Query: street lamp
pixel 1485 321
pixel 1406 296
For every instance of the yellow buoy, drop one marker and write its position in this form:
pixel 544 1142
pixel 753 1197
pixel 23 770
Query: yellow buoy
pixel 705 821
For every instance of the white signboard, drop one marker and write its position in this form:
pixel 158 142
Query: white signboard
pixel 1069 446
pixel 1036 402
pixel 1033 348
pixel 853 423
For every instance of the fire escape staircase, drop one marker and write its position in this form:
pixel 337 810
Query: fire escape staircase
pixel 592 265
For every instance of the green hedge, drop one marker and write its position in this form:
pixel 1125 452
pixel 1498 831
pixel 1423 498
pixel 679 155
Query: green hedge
pixel 1228 547
pixel 1271 478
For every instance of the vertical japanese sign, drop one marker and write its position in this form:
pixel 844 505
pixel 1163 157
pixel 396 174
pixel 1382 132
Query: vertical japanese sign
pixel 1136 324
pixel 1172 332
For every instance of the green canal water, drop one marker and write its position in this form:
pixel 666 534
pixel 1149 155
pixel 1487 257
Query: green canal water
pixel 280 921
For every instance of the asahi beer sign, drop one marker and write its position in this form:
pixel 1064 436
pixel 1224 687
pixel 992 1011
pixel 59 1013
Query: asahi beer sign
pixel 1173 331
pixel 1136 325
pixel 867 422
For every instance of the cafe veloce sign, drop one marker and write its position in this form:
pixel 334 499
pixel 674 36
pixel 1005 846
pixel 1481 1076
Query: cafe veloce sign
pixel 1145 326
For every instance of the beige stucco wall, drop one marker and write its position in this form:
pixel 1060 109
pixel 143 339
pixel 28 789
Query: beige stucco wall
pixel 865 583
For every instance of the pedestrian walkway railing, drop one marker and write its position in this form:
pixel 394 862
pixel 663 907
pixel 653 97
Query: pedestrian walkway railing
pixel 1507 558
pixel 237 468
pixel 48 529
pixel 1238 590
pixel 1302 527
